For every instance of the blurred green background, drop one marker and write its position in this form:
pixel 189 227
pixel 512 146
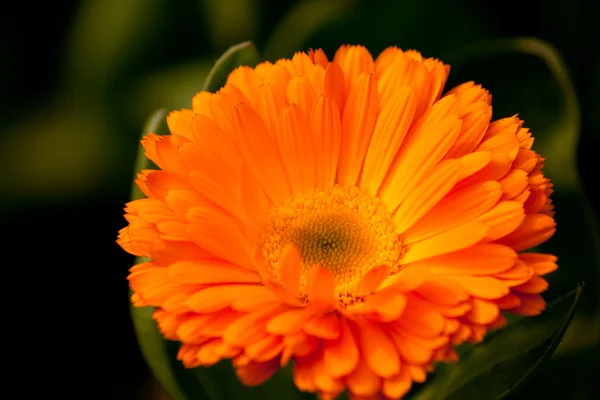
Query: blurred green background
pixel 79 78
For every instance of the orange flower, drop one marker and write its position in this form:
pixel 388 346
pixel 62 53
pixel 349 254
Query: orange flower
pixel 341 215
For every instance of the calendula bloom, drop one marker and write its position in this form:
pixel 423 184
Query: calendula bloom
pixel 346 216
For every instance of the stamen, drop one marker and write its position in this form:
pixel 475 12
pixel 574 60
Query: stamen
pixel 347 231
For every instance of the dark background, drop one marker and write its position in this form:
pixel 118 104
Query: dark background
pixel 78 79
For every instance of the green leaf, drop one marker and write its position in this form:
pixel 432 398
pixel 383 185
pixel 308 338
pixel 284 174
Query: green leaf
pixel 506 359
pixel 241 54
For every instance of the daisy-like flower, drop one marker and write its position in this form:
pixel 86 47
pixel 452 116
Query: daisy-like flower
pixel 346 216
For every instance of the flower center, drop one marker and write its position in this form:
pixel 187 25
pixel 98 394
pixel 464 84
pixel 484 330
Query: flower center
pixel 345 230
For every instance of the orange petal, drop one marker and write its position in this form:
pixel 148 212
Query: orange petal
pixel 408 69
pixel 188 329
pixel 484 287
pixel 481 259
pixel 417 373
pixel 334 85
pixel 535 229
pixel 260 299
pixel 297 149
pixel 483 312
pixel 315 375
pixel 320 288
pixel 381 306
pixel 531 304
pixel 289 322
pixel 216 323
pixel 501 143
pixel 526 160
pixel 454 239
pixel 498 167
pixel 474 125
pixel 300 92
pixel 391 128
pixel 283 294
pixel 398 385
pixel 511 300
pixel 318 57
pixel 299 344
pixel 427 194
pixel 265 349
pixel 386 58
pixel 425 145
pixel 541 263
pixel 166 252
pixel 518 274
pixel 207 353
pixel 325 326
pixel 163 150
pixel 260 152
pixel 421 320
pixel 455 209
pixel 290 269
pixel 326 123
pixel 247 80
pixel 159 183
pixel 514 183
pixel 270 106
pixel 354 61
pixel 341 356
pixel 442 290
pixel 304 374
pixel 502 219
pixel 200 103
pixel 405 280
pixel 188 354
pixel 362 381
pixel 358 122
pixel 249 328
pixel 217 232
pixel 378 349
pixel 255 206
pixel 210 272
pixel 472 163
pixel 509 125
pixel 372 279
pixel 410 350
pixel 256 373
pixel 180 123
pixel 216 298
pixel 180 201
pixel 535 285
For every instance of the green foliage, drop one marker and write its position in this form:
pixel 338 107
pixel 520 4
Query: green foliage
pixel 506 359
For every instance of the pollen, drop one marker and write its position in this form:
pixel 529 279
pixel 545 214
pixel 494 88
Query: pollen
pixel 345 230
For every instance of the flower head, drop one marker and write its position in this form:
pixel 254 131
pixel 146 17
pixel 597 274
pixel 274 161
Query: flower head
pixel 345 216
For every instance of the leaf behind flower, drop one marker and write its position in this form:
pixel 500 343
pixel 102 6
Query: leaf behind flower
pixel 506 359
pixel 241 54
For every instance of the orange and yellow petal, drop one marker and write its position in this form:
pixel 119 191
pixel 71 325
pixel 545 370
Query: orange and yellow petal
pixel 343 215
